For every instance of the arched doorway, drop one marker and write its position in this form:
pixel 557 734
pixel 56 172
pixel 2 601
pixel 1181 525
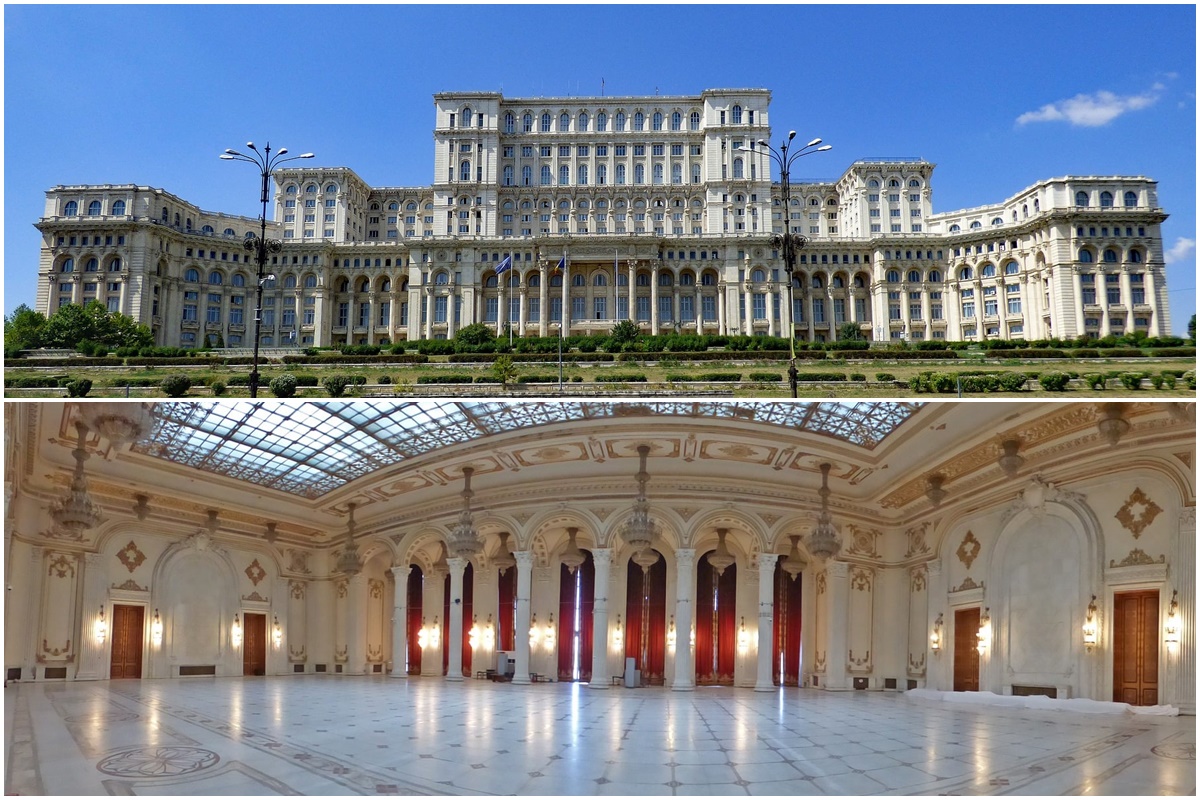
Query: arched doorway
pixel 416 590
pixel 646 618
pixel 786 655
pixel 716 623
pixel 576 595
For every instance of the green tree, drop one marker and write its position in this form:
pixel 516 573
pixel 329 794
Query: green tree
pixel 849 331
pixel 473 335
pixel 624 332
pixel 23 329
pixel 1192 328
pixel 504 370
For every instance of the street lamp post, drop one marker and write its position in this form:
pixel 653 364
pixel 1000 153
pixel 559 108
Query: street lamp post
pixel 789 242
pixel 266 164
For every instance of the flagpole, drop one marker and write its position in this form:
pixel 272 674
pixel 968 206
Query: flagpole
pixel 562 317
pixel 510 291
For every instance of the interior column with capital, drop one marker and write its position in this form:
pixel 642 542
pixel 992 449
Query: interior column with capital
pixel 524 586
pixel 601 560
pixel 766 620
pixel 356 624
pixel 400 622
pixel 685 588
pixel 1183 580
pixel 454 633
pixel 837 608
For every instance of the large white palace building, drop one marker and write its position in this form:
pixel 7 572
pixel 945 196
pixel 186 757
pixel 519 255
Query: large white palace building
pixel 661 208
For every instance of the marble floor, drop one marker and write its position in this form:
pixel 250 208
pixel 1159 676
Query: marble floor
pixel 376 735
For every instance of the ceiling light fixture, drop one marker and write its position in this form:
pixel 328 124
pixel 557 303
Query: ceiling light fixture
pixel 463 541
pixel 1010 460
pixel 640 531
pixel 824 542
pixel 572 557
pixel 76 513
pixel 1112 424
pixel 934 490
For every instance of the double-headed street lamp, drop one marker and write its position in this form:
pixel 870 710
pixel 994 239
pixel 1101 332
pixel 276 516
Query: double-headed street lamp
pixel 266 164
pixel 789 242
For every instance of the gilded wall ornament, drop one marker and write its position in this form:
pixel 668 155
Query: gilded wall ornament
pixel 1136 558
pixel 860 579
pixel 1137 513
pixel 916 540
pixel 255 572
pixel 62 566
pixel 131 586
pixel 297 589
pixel 968 551
pixel 131 556
pixel 967 584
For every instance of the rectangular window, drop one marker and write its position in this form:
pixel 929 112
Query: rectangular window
pixel 600 308
pixel 491 309
pixel 758 305
pixel 556 309
pixel 535 309
pixel 818 309
pixel 643 309
pixel 666 309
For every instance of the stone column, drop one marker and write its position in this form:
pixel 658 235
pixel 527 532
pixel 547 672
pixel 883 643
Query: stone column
pixel 1183 579
pixel 770 312
pixel 654 320
pixel 400 622
pixel 451 308
pixel 544 300
pixel 747 309
pixel 501 304
pixel 427 305
pixel 838 576
pixel 434 595
pixel 523 311
pixel 372 310
pixel 95 593
pixel 454 629
pixel 766 619
pixel 721 310
pixel 632 289
pixel 1127 298
pixel 602 559
pixel 564 324
pixel 939 672
pixel 685 587
pixel 356 625
pixel 521 639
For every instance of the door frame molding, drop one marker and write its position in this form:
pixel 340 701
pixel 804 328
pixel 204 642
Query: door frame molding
pixel 1118 584
pixel 147 643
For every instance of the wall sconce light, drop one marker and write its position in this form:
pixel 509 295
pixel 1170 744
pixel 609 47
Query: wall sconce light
pixel 1171 627
pixel 474 635
pixel 101 629
pixel 435 634
pixel 550 634
pixel 276 632
pixel 618 636
pixel 423 635
pixel 935 638
pixel 535 633
pixel 156 630
pixel 743 640
pixel 985 632
pixel 671 634
pixel 236 631
pixel 1090 629
pixel 489 634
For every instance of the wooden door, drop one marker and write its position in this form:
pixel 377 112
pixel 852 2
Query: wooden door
pixel 128 636
pixel 254 645
pixel 1135 648
pixel 966 656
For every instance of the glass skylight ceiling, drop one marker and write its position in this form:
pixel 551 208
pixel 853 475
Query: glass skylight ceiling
pixel 309 449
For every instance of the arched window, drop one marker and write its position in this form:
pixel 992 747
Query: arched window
pixel 192 275
pixel 343 285
pixel 666 279
pixel 564 121
pixel 1106 199
pixel 188 226
pixel 643 279
pixel 94 208
pixel 818 282
pixel 239 280
pixel 385 285
pixel 291 189
pixel 364 286
pixel 658 174
pixel 838 282
pixel 583 175
pixel 526 176
pixel 694 121
pixel 860 282
pixel 92 265
pixel 965 274
pixel 935 276
pixel 556 280
pixel 215 278
pixel 118 208
pixel 893 276
pixel 988 270
pixel 676 174
pixel 687 279
pixel 71 209
pixel 737 115
pixel 639 121
pixel 583 121
pixel 657 120
pixel 893 184
pixel 1110 256
pixel 914 184
pixel 1085 256
pixel 310 281
pixel 976 225
pixel 564 175
pixel 599 279
pixel 164 214
pixel 639 174
pixel 955 228
pixel 331 188
pixel 620 120
pixel 676 121
pixel 464 171
pixel 578 280
pixel 1010 268
pixel 602 121
pixel 510 122
pixel 441 279
pixel 114 265
pixel 208 230
pixel 620 174
pixel 546 175
pixel 738 168
pixel 914 276
pixel 998 221
pixel 873 183
pixel 527 123
pixel 229 232
pixel 1131 200
pixel 695 173
pixel 465 120
pixel 601 174
pixel 1081 199
pixel 546 122
pixel 535 280
pixel 1135 256
pixel 508 175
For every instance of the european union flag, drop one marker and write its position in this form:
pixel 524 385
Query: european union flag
pixel 505 265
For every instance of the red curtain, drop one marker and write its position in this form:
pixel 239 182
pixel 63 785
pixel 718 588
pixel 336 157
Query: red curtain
pixel 468 581
pixel 656 622
pixel 415 593
pixel 779 595
pixel 507 622
pixel 727 624
pixel 634 602
pixel 587 599
pixel 788 619
pixel 566 623
pixel 705 596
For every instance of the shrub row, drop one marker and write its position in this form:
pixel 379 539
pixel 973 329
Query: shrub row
pixel 486 358
pixel 353 359
pixel 621 377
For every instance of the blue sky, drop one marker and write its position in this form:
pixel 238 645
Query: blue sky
pixel 998 97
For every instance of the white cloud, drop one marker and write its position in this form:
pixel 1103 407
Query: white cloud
pixel 1091 110
pixel 1179 251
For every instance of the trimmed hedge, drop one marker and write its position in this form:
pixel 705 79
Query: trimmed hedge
pixel 766 377
pixel 1027 353
pixel 720 377
pixel 455 378
pixel 821 376
pixel 621 377
pixel 518 358
pixel 1054 381
pixel 349 359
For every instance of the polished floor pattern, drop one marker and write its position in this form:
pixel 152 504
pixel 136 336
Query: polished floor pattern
pixel 372 735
